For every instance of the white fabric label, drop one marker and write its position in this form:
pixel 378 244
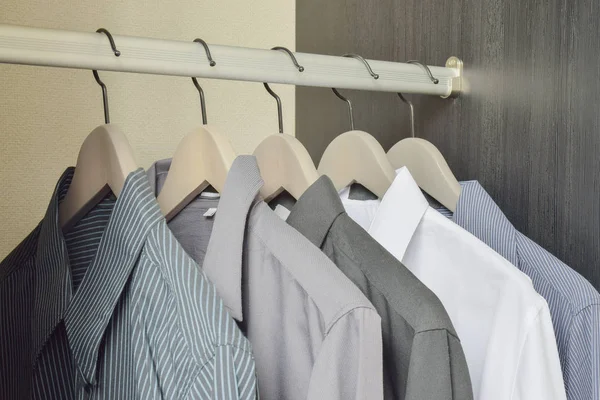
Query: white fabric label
pixel 210 212
pixel 282 212
pixel 209 195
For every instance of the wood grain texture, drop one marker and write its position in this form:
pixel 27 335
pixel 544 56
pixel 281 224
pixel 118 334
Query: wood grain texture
pixel 528 130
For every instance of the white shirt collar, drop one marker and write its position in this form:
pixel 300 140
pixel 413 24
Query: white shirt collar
pixel 399 212
pixel 408 204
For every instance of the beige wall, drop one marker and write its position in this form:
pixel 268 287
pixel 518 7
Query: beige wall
pixel 45 113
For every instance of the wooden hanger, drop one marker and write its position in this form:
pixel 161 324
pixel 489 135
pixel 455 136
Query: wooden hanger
pixel 357 157
pixel 283 161
pixel 103 164
pixel 427 165
pixel 203 158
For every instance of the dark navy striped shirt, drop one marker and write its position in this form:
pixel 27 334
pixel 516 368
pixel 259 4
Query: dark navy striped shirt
pixel 574 303
pixel 115 309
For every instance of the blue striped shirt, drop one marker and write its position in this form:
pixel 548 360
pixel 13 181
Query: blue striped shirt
pixel 574 303
pixel 115 309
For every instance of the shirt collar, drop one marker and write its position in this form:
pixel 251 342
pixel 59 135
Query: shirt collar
pixel 399 214
pixel 477 213
pixel 53 288
pixel 156 169
pixel 316 210
pixel 87 314
pixel 223 260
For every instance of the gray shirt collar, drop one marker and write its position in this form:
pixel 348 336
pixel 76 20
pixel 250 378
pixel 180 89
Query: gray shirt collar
pixel 316 210
pixel 223 261
pixel 86 313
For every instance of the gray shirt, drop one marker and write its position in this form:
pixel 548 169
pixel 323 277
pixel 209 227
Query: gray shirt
pixel 115 309
pixel 423 357
pixel 313 332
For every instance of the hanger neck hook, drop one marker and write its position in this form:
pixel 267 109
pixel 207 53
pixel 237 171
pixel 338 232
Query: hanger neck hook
pixel 335 91
pixel 212 63
pixel 117 53
pixel 361 58
pixel 412 114
pixel 272 93
pixel 427 70
pixel 350 112
pixel 279 109
pixel 292 56
pixel 207 50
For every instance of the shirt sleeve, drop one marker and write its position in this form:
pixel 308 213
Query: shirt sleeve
pixel 582 366
pixel 539 375
pixel 231 375
pixel 438 368
pixel 349 365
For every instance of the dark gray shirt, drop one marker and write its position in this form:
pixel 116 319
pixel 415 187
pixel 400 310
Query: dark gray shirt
pixel 115 309
pixel 422 355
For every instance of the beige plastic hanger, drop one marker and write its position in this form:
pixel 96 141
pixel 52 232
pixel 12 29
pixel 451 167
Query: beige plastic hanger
pixel 356 156
pixel 203 158
pixel 283 161
pixel 426 164
pixel 104 162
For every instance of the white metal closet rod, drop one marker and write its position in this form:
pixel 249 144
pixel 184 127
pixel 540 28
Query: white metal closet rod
pixel 91 50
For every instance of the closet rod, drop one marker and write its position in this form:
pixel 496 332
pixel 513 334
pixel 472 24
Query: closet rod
pixel 89 50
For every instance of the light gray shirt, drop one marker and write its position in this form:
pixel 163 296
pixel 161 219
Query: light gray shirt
pixel 314 334
pixel 115 309
pixel 423 356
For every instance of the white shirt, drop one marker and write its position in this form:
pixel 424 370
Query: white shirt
pixel 503 323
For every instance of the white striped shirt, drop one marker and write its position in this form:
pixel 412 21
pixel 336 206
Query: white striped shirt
pixel 115 309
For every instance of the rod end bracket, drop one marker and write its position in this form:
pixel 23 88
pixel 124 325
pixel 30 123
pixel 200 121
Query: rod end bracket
pixel 457 82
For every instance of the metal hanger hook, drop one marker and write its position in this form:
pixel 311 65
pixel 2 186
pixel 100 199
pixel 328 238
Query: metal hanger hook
pixel 111 40
pixel 202 101
pixel 207 50
pixel 412 114
pixel 117 53
pixel 279 108
pixel 272 93
pixel 361 58
pixel 212 63
pixel 426 68
pixel 292 56
pixel 350 113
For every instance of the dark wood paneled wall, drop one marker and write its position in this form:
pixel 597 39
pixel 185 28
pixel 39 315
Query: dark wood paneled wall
pixel 528 130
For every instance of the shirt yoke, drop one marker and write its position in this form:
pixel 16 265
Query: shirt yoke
pixel 410 298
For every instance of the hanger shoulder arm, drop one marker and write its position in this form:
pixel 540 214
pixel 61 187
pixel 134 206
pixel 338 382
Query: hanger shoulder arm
pixel 356 156
pixel 429 168
pixel 104 162
pixel 284 164
pixel 202 158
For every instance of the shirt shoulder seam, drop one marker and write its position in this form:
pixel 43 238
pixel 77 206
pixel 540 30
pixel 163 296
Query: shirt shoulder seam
pixel 581 310
pixel 344 311
pixel 436 330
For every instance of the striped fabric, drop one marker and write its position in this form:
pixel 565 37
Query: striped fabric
pixel 574 303
pixel 115 309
